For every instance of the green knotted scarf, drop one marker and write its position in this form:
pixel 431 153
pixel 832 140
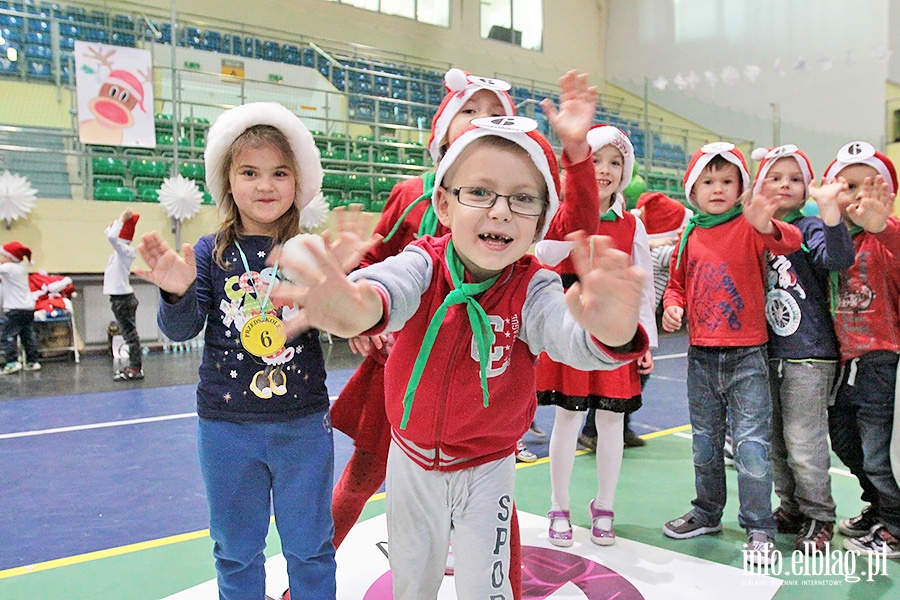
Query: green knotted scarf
pixel 428 225
pixel 705 220
pixel 463 293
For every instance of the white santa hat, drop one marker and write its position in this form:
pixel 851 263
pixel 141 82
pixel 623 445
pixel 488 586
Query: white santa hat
pixel 768 156
pixel 860 152
pixel 232 123
pixel 522 131
pixel 460 87
pixel 607 135
pixel 704 155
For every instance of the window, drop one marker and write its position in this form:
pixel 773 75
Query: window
pixel 432 12
pixel 519 22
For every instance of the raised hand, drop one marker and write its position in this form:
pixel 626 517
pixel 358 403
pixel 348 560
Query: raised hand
pixel 577 104
pixel 826 197
pixel 607 297
pixel 759 211
pixel 873 205
pixel 352 237
pixel 169 271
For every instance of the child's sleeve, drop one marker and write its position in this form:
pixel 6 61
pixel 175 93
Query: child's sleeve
pixel 184 318
pixel 675 289
pixel 549 327
pixel 118 244
pixel 890 236
pixel 830 247
pixel 640 252
pixel 784 239
pixel 579 209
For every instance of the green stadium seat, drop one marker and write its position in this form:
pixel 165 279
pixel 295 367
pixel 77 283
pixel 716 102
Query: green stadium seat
pixel 195 171
pixel 148 193
pixel 149 168
pixel 114 193
pixel 353 183
pixel 108 166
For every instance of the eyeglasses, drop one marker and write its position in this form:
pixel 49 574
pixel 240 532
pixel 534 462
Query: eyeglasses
pixel 521 204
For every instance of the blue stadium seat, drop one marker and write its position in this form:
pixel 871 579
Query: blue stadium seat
pixel 308 58
pixel 37 38
pixel 39 26
pixel 93 34
pixel 271 51
pixel 35 52
pixel 290 54
pixel 66 43
pixel 39 69
pixel 10 35
pixel 212 41
pixel 120 38
pixel 8 67
pixel 193 37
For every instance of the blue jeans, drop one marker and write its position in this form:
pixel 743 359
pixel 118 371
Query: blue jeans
pixel 732 380
pixel 242 465
pixel 862 421
pixel 800 454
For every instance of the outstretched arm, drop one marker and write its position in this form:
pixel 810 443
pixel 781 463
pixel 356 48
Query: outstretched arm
pixel 577 103
pixel 873 205
pixel 826 196
pixel 170 272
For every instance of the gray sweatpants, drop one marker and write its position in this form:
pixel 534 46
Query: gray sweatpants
pixel 426 510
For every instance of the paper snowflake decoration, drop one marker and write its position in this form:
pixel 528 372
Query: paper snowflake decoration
pixel 314 213
pixel 16 196
pixel 180 197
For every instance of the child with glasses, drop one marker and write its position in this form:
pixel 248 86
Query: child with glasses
pixel 471 311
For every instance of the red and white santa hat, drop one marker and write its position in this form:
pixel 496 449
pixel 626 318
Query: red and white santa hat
pixel 662 216
pixel 233 122
pixel 522 131
pixel 127 232
pixel 460 87
pixel 125 79
pixel 607 135
pixel 706 153
pixel 16 251
pixel 768 156
pixel 860 152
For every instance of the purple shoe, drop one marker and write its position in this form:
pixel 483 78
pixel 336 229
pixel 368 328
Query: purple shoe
pixel 563 538
pixel 601 537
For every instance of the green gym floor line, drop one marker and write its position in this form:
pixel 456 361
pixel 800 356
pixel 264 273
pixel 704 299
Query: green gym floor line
pixel 656 485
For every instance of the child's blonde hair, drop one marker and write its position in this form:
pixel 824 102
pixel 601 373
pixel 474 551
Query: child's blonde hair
pixel 288 224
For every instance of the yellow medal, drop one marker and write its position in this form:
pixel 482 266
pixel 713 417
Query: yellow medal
pixel 263 336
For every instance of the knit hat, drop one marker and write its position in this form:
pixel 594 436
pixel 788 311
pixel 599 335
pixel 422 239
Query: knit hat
pixel 705 154
pixel 662 216
pixel 124 79
pixel 16 251
pixel 232 123
pixel 460 87
pixel 865 153
pixel 128 226
pixel 522 131
pixel 768 156
pixel 607 135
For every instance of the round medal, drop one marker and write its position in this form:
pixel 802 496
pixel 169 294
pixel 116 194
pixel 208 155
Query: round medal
pixel 263 337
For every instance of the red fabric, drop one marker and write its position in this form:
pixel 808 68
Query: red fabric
pixel 51 293
pixel 661 213
pixel 17 251
pixel 362 477
pixel 128 226
pixel 720 282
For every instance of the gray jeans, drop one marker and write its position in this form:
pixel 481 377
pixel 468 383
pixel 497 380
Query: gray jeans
pixel 800 454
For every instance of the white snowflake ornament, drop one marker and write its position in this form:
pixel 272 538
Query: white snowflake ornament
pixel 16 197
pixel 180 197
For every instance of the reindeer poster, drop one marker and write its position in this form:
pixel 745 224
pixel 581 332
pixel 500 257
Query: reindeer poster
pixel 115 95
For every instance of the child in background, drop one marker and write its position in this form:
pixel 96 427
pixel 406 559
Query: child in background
pixel 18 308
pixel 264 427
pixel 717 280
pixel 802 348
pixel 867 323
pixel 117 286
pixel 600 211
pixel 451 465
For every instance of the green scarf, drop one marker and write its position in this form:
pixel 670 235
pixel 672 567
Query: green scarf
pixel 463 293
pixel 609 215
pixel 705 220
pixel 428 225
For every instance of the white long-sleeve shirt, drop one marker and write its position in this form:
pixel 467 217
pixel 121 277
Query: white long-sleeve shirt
pixel 16 294
pixel 118 267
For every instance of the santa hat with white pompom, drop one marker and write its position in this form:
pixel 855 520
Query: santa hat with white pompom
pixel 768 156
pixel 460 87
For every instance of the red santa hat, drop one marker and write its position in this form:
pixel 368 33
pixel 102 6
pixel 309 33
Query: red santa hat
pixel 128 81
pixel 16 251
pixel 460 87
pixel 128 226
pixel 860 152
pixel 607 135
pixel 522 131
pixel 706 153
pixel 232 123
pixel 662 216
pixel 768 156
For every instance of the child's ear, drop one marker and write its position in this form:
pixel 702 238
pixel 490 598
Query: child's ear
pixel 442 208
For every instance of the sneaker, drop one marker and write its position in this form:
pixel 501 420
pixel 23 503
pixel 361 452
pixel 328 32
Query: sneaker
pixel 589 443
pixel 879 542
pixel 537 431
pixel 560 529
pixel 787 522
pixel 12 367
pixel 523 454
pixel 861 524
pixel 688 526
pixel 128 374
pixel 35 366
pixel 633 440
pixel 760 549
pixel 601 535
pixel 728 452
pixel 814 535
